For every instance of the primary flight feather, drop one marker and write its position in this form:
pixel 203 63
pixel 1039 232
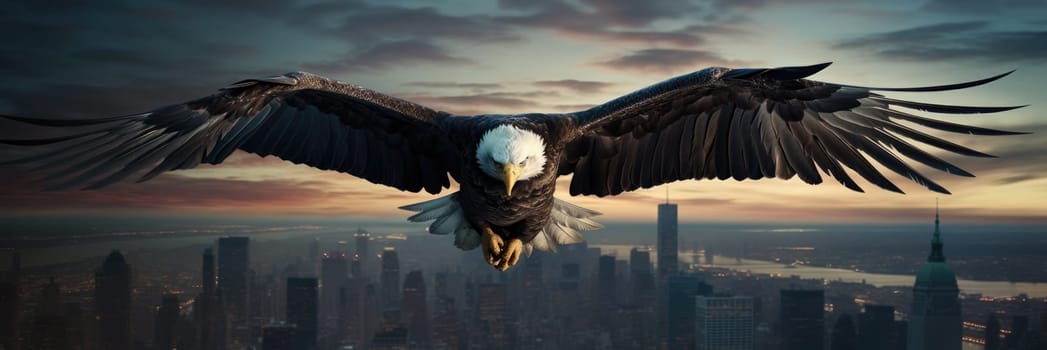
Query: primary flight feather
pixel 714 123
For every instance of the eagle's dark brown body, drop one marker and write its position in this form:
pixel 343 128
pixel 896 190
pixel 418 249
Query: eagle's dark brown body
pixel 483 199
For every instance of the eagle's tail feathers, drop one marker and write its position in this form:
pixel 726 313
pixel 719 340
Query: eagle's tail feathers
pixel 448 217
pixel 564 223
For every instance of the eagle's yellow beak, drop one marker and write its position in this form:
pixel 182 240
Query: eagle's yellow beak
pixel 509 174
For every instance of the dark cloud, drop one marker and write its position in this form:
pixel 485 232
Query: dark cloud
pixel 1010 180
pixel 483 103
pixel 614 13
pixel 621 21
pixel 359 23
pixel 387 55
pixel 954 41
pixel 579 86
pixel 106 44
pixel 79 100
pixel 667 60
pixel 264 7
pixel 640 13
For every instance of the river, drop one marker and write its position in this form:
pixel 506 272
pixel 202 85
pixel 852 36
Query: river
pixel 986 288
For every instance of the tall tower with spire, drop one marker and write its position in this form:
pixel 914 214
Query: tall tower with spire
pixel 935 322
pixel 668 262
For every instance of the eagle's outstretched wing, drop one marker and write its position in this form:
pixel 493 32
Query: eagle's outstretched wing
pixel 758 123
pixel 298 117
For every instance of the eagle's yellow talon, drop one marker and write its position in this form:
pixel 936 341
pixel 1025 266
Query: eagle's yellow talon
pixel 511 254
pixel 492 245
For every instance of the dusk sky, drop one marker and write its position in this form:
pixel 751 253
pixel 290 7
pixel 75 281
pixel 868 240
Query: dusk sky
pixel 90 58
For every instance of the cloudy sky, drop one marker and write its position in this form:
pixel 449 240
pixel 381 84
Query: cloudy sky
pixel 89 58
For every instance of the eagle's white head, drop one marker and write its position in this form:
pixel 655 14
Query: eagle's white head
pixel 511 154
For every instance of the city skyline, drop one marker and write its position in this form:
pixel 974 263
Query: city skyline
pixel 480 56
pixel 709 303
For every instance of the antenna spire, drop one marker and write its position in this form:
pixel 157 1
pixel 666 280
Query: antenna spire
pixel 936 242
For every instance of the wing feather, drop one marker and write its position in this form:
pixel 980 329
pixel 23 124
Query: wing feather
pixel 762 123
pixel 298 117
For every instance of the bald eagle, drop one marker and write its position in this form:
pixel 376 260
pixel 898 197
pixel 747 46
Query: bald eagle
pixel 715 123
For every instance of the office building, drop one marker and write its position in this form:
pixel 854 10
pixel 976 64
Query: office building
pixel 876 328
pixel 302 311
pixel 845 334
pixel 682 290
pixel 802 320
pixel 723 323
pixel 233 264
pixel 415 310
pixel 166 323
pixel 113 303
pixel 390 278
pixel 668 264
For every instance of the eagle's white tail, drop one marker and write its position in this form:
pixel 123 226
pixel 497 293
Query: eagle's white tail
pixel 449 219
pixel 565 221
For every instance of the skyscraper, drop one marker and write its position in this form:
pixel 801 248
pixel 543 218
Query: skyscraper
pixel 668 244
pixel 667 262
pixel 935 322
pixel 642 297
pixel 446 325
pixel 209 316
pixel 639 260
pixel 723 323
pixel 9 303
pixel 845 334
pixel 334 274
pixel 642 278
pixel 390 278
pixel 49 323
pixel 233 262
pixel 682 290
pixel 415 310
pixel 166 322
pixel 314 256
pixel 606 287
pixel 876 328
pixel 207 273
pixel 113 303
pixel 992 333
pixel 1043 329
pixel 1018 339
pixel 302 311
pixel 362 254
pixel 802 319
